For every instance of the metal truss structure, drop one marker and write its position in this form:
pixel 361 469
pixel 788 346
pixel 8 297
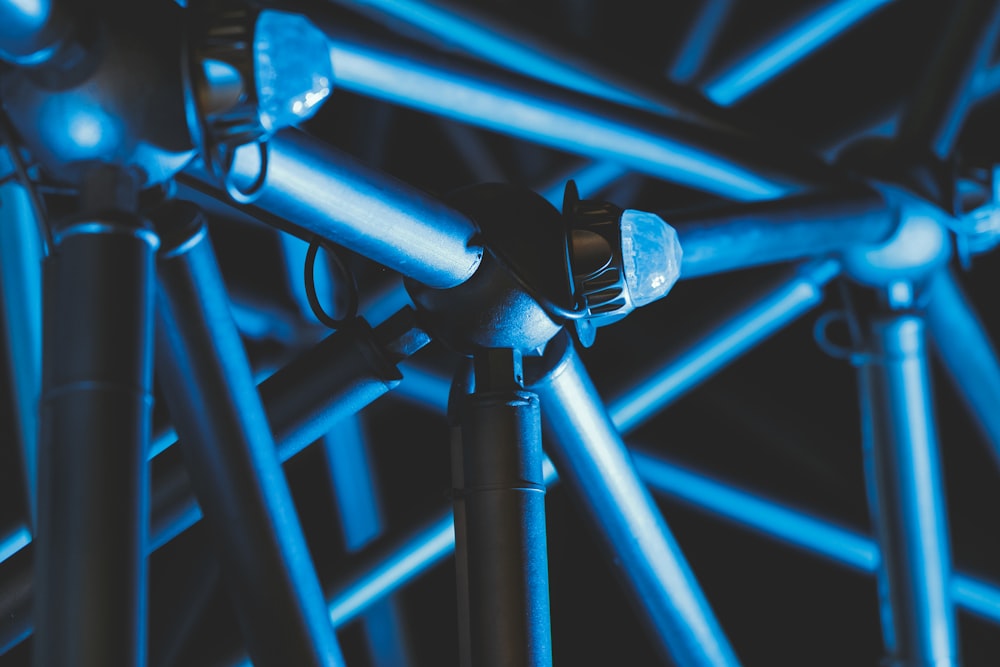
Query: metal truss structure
pixel 749 471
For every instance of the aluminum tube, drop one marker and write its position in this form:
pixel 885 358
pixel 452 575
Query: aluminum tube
pixel 21 252
pixel 327 193
pixel 507 46
pixel 303 401
pixel 352 481
pixel 967 352
pixel 933 119
pixel 93 479
pixel 231 457
pixel 790 46
pixel 907 495
pixel 710 349
pixel 335 379
pixel 591 458
pixel 701 37
pixel 739 236
pixel 713 159
pixel 499 508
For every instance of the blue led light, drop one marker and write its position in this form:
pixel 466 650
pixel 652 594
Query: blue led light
pixel 293 75
pixel 651 256
pixel 788 49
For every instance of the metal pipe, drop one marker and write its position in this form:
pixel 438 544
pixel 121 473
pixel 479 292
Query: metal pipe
pixel 967 353
pixel 93 480
pixel 934 116
pixel 358 508
pixel 795 528
pixel 790 46
pixel 906 494
pixel 303 401
pixel 591 458
pixel 499 509
pixel 21 253
pixel 700 38
pixel 326 193
pixel 231 457
pixel 738 236
pixel 711 348
pixel 714 159
pixel 507 46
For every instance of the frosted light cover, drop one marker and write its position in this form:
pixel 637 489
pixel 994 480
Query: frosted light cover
pixel 651 254
pixel 293 69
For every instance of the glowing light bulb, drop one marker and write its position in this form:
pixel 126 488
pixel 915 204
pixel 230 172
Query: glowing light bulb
pixel 651 255
pixel 292 67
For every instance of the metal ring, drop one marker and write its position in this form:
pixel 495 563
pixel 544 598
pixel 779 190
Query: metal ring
pixel 310 279
pixel 235 193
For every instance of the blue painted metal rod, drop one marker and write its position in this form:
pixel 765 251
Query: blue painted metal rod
pixel 321 191
pixel 934 117
pixel 967 352
pixel 591 458
pixel 906 494
pixel 740 330
pixel 713 159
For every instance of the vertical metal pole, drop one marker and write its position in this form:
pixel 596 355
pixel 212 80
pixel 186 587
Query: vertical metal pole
pixel 591 458
pixel 21 285
pixel 231 457
pixel 93 488
pixel 907 495
pixel 503 579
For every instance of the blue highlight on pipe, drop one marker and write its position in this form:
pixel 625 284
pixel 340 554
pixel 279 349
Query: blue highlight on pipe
pixel 21 281
pixel 968 354
pixel 430 546
pixel 711 16
pixel 748 327
pixel 789 48
pixel 495 45
pixel 10 544
pixel 790 526
pixel 453 94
